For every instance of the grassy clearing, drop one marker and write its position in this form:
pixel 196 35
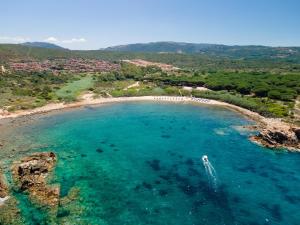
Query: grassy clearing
pixel 72 89
pixel 103 87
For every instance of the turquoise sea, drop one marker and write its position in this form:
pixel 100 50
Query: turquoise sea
pixel 140 163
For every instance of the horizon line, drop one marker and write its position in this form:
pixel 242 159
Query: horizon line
pixel 153 42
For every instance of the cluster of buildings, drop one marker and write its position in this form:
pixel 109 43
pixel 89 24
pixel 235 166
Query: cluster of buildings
pixel 64 65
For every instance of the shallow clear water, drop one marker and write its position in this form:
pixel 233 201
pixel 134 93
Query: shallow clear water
pixel 140 163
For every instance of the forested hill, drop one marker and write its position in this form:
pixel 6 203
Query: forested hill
pixel 236 51
pixel 262 60
pixel 42 45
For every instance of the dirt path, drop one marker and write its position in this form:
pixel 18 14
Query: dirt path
pixel 297 109
pixel 136 84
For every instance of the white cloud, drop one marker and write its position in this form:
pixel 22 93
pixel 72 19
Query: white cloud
pixel 17 39
pixel 74 40
pixel 51 39
pixel 67 41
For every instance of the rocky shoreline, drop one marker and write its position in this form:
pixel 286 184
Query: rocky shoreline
pixel 30 176
pixel 278 137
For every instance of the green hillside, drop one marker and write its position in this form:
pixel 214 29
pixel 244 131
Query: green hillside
pixel 42 45
pixel 234 52
pixel 205 61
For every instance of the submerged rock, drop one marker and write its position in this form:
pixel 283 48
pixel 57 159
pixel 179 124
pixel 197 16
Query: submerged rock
pixel 9 212
pixel 30 175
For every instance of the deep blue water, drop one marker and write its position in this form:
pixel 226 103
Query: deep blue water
pixel 140 163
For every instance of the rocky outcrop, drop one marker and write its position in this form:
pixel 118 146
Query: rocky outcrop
pixel 297 132
pixel 3 190
pixel 278 137
pixel 3 187
pixel 30 175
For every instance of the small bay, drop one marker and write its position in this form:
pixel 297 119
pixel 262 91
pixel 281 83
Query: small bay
pixel 140 163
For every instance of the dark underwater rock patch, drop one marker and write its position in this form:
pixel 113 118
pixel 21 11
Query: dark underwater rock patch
pixel 172 153
pixel 137 187
pixel 295 200
pixel 189 162
pixel 236 199
pixel 147 185
pixel 245 212
pixel 165 136
pixel 162 192
pixel 249 182
pixel 254 223
pixel 154 164
pixel 175 166
pixel 157 182
pixel 275 180
pixel 274 210
pixel 197 205
pixel 264 174
pixel 249 168
pixel 167 178
pixel 282 189
pixel 193 172
pixel 156 211
pixel 189 190
pixel 99 150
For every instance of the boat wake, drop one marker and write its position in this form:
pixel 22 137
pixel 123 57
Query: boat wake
pixel 211 173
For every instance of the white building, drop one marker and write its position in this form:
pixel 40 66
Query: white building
pixel 3 69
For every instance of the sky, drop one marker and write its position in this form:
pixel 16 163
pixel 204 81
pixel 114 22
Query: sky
pixel 94 24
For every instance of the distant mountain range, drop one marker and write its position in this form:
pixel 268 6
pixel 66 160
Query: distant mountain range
pixel 215 50
pixel 42 45
pixel 174 47
pixel 178 54
pixel 235 51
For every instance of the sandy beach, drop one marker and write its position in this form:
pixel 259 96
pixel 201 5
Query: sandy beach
pixel 88 99
pixel 268 127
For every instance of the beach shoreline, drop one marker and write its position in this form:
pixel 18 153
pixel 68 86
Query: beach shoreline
pixel 88 100
pixel 263 124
